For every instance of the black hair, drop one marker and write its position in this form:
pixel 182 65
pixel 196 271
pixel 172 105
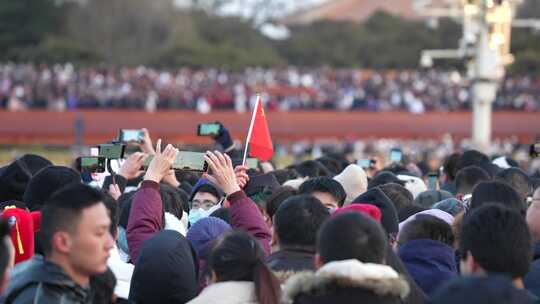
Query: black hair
pixel 398 194
pixel 277 198
pixel 450 165
pixel 124 202
pixel 469 177
pixel 384 177
pixel 4 249
pixel 352 236
pixel 426 226
pixel 497 192
pixel 471 158
pixel 284 175
pixel 331 164
pixel 409 210
pixel 207 188
pixel 186 176
pixel 63 210
pixel 223 214
pixel 298 219
pixel 114 213
pixel 340 158
pixel 172 200
pixel 103 287
pixel 184 199
pixel 326 185
pixel 518 179
pixel 498 238
pixel 237 256
pixel 312 168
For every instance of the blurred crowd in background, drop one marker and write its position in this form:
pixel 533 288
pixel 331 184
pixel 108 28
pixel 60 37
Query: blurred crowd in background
pixel 65 87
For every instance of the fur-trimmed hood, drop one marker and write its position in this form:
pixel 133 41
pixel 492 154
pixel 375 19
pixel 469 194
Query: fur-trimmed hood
pixel 379 279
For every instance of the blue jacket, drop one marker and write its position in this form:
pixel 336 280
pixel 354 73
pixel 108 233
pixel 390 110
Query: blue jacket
pixel 429 262
pixel 532 279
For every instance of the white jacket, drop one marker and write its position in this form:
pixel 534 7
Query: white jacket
pixel 122 271
pixel 231 292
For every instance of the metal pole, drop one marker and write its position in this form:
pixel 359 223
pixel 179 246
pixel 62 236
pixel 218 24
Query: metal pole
pixel 486 72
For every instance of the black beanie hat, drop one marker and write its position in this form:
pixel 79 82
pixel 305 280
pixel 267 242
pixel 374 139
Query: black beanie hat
pixel 15 177
pixel 47 181
pixel 376 197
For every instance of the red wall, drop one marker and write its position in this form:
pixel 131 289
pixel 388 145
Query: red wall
pixel 58 128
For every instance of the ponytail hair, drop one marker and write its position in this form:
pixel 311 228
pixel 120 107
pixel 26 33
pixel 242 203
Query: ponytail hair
pixel 237 256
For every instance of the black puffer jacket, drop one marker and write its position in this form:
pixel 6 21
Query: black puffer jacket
pixel 43 282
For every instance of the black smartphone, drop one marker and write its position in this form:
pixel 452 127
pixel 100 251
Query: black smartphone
pixel 433 180
pixel 190 161
pixel 209 129
pixel 112 151
pixel 365 163
pixel 131 136
pixel 396 155
pixel 91 164
pixel 535 150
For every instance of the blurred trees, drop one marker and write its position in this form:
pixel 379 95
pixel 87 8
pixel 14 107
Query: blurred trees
pixel 133 32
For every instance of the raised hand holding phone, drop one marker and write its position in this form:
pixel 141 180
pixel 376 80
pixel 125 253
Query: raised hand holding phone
pixel 162 163
pixel 223 174
pixel 131 168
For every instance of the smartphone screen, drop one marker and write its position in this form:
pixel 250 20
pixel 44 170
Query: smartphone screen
pixel 91 164
pixel 395 155
pixel 209 129
pixel 130 135
pixel 190 161
pixel 364 163
pixel 112 151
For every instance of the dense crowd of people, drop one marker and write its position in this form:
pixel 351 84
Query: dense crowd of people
pixel 324 230
pixel 64 87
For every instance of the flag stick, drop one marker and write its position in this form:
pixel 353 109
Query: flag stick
pixel 251 128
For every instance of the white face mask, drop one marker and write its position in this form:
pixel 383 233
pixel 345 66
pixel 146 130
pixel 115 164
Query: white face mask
pixel 197 214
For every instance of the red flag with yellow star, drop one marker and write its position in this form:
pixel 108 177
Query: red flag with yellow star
pixel 259 140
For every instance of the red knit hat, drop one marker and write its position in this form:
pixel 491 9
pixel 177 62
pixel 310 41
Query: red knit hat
pixel 370 210
pixel 22 223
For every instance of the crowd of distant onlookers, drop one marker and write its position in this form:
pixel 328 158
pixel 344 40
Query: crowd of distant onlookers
pixel 66 87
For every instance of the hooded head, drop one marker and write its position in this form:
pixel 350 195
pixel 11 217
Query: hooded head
pixel 47 181
pixel 204 232
pixel 15 177
pixel 166 270
pixel 389 218
pixel 354 181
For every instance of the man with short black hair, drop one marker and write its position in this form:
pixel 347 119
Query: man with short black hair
pixel 518 179
pixel 426 249
pixel 296 224
pixel 76 240
pixel 325 189
pixel 351 251
pixel 399 195
pixel 467 178
pixel 495 239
